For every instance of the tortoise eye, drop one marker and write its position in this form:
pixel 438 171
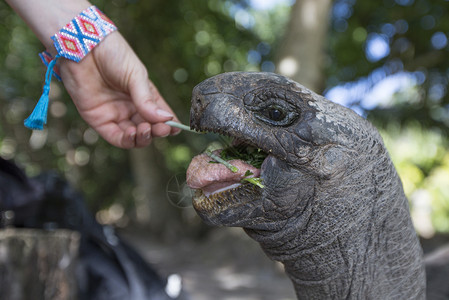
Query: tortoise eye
pixel 276 114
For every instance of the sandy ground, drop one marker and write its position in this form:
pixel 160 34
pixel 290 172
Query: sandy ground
pixel 227 265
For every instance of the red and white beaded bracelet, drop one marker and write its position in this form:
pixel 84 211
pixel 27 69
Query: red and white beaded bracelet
pixel 74 41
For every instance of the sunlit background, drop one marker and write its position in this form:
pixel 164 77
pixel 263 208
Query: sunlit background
pixel 387 60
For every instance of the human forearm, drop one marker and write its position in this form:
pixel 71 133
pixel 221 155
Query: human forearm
pixel 46 17
pixel 109 85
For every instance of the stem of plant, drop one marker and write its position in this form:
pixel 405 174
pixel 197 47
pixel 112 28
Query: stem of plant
pixel 180 126
pixel 234 169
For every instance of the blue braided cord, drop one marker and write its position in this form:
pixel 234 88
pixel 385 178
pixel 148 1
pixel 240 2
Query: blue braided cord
pixel 41 55
pixel 38 117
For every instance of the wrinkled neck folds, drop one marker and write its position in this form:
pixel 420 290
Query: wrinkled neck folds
pixel 351 244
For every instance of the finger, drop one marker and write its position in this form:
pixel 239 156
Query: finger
pixel 156 130
pixel 117 136
pixel 175 130
pixel 143 136
pixel 160 101
pixel 162 104
pixel 160 130
pixel 152 106
pixel 146 98
pixel 129 138
pixel 129 134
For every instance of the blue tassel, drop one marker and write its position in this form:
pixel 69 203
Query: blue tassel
pixel 38 117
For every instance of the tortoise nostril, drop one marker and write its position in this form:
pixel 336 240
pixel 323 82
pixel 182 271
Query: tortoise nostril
pixel 199 101
pixel 197 97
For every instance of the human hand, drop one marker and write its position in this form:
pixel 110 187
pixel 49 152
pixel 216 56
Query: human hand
pixel 112 92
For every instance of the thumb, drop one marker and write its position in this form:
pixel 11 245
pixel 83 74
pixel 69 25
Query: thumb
pixel 149 103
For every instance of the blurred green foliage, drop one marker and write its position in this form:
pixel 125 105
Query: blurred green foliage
pixel 422 160
pixel 415 34
pixel 181 43
pixel 184 42
pixel 412 39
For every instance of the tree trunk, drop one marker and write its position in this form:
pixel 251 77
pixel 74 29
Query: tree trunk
pixel 38 264
pixel 153 210
pixel 301 55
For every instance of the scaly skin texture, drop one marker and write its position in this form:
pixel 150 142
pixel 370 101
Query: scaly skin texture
pixel 333 210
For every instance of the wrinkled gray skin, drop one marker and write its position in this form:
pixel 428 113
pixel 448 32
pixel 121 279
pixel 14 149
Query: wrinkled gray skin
pixel 333 210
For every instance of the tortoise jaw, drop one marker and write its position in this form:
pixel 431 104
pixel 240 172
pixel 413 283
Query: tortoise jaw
pixel 220 208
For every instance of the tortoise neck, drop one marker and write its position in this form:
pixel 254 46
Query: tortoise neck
pixel 374 258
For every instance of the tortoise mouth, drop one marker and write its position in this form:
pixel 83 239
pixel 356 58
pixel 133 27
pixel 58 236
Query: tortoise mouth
pixel 217 186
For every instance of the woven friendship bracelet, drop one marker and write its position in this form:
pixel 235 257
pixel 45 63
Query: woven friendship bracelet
pixel 74 41
pixel 82 34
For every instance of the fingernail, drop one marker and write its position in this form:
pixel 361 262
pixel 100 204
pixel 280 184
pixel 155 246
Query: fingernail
pixel 147 134
pixel 132 137
pixel 164 113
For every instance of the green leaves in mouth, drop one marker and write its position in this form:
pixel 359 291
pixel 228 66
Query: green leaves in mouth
pixel 250 155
